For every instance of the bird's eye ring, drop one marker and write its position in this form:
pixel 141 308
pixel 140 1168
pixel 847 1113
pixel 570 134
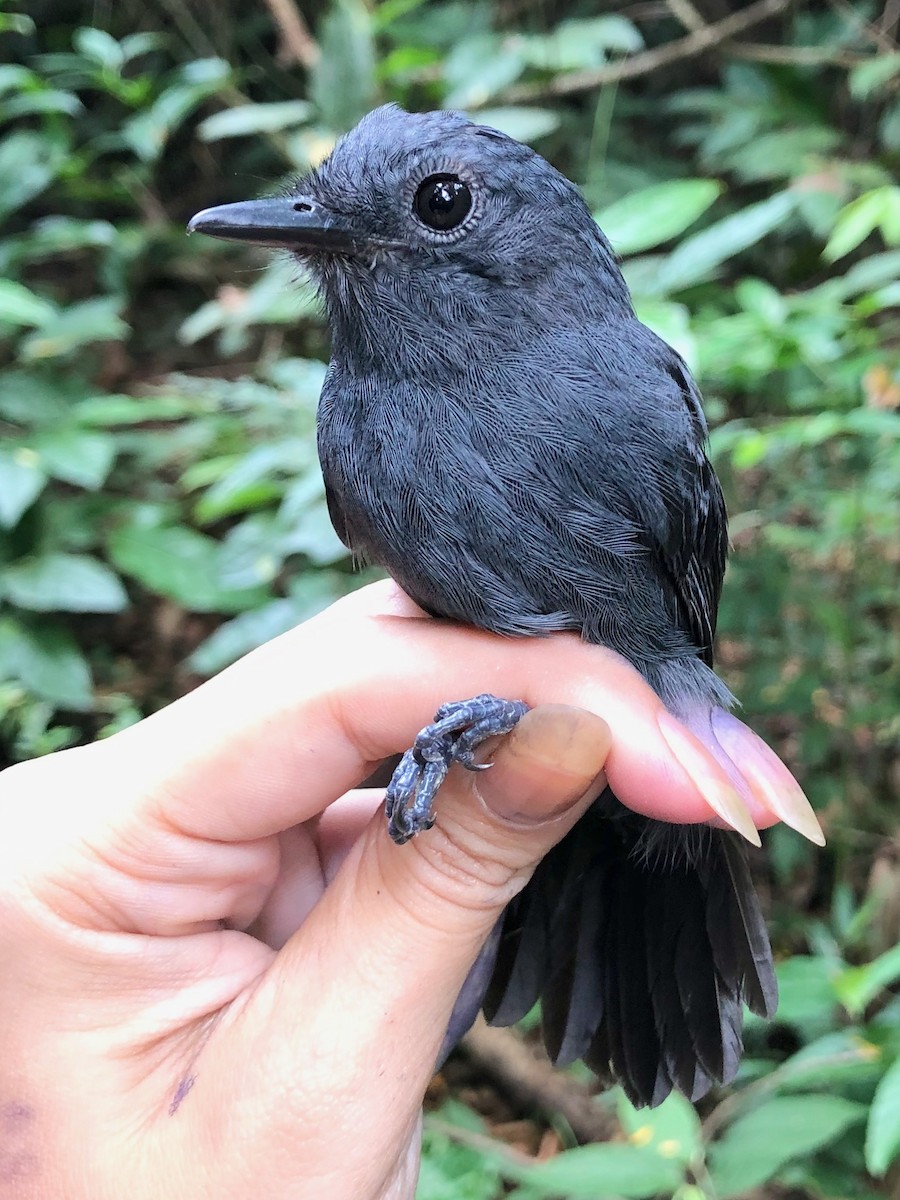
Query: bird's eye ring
pixel 442 202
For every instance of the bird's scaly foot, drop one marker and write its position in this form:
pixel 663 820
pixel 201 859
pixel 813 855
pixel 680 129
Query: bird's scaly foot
pixel 458 730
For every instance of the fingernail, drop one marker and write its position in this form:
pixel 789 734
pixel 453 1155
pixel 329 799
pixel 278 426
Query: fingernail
pixel 725 801
pixel 552 759
pixel 767 776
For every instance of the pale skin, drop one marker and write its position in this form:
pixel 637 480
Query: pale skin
pixel 221 977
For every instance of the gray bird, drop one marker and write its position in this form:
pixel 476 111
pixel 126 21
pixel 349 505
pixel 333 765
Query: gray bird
pixel 500 432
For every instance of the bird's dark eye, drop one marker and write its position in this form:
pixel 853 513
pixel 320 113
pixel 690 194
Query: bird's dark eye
pixel 442 202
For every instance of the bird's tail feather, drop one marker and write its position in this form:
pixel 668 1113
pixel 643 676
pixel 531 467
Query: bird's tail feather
pixel 642 958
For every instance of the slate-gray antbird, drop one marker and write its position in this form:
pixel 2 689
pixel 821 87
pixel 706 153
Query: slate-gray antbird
pixel 500 432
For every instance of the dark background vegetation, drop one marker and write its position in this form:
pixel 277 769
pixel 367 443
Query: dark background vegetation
pixel 161 510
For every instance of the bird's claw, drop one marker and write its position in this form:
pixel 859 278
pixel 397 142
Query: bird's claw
pixel 457 731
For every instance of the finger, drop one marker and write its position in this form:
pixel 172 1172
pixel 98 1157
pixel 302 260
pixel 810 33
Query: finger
pixel 382 599
pixel 371 978
pixel 274 739
pixel 311 856
pixel 296 891
pixel 342 824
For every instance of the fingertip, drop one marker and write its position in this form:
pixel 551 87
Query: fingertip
pixel 772 788
pixel 708 777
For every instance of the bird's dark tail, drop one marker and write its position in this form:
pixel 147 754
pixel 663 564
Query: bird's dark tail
pixel 642 943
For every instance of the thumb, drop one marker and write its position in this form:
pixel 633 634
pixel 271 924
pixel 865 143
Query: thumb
pixel 493 828
pixel 421 912
pixel 374 971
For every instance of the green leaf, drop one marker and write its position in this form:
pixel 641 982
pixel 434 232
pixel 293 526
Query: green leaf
pixel 806 996
pixel 76 456
pixel 16 78
pixel 672 322
pixel 760 298
pixel 599 1170
pixel 135 45
pixel 580 43
pixel 656 214
pixel 112 411
pixel 671 1130
pixel 883 1129
pixel 834 1061
pixel 20 306
pixel 148 132
pixel 251 553
pixel 480 66
pixel 315 537
pixel 242 634
pixel 28 163
pixel 889 127
pixel 274 298
pixel 254 118
pixel 857 987
pixel 52 236
pixel 784 153
pixel 342 85
pixel 698 257
pixel 523 124
pixel 878 208
pixel 95 320
pixel 21 482
pixel 100 47
pixel 46 661
pixel 16 23
pixel 869 76
pixel 63 583
pixel 181 564
pixel 757 1146
pixel 454 1171
pixel 254 478
pixel 31 104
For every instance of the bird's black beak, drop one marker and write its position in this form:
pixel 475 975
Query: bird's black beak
pixel 294 222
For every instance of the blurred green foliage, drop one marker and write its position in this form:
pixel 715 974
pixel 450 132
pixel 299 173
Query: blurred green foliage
pixel 161 510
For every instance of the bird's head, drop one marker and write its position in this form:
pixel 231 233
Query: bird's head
pixel 431 216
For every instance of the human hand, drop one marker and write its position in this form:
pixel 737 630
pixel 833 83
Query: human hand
pixel 222 978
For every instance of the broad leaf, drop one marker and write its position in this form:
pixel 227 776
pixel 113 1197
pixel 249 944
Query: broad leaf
pixel 28 163
pixel 80 457
pixel 99 46
pixel 479 67
pixel 758 1145
pixel 876 209
pixel 883 1129
pixel 605 1169
pixel 343 80
pixel 181 564
pixel 671 1130
pixel 20 306
pixel 874 73
pixel 254 118
pixel 857 987
pixel 523 124
pixel 63 583
pixel 45 660
pixel 95 320
pixel 21 482
pixel 148 132
pixel 699 256
pixel 656 214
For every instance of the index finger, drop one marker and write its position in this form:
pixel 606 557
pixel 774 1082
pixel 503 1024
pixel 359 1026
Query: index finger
pixel 278 736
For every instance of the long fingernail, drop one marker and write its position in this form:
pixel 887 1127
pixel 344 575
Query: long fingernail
pixel 767 776
pixel 722 798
